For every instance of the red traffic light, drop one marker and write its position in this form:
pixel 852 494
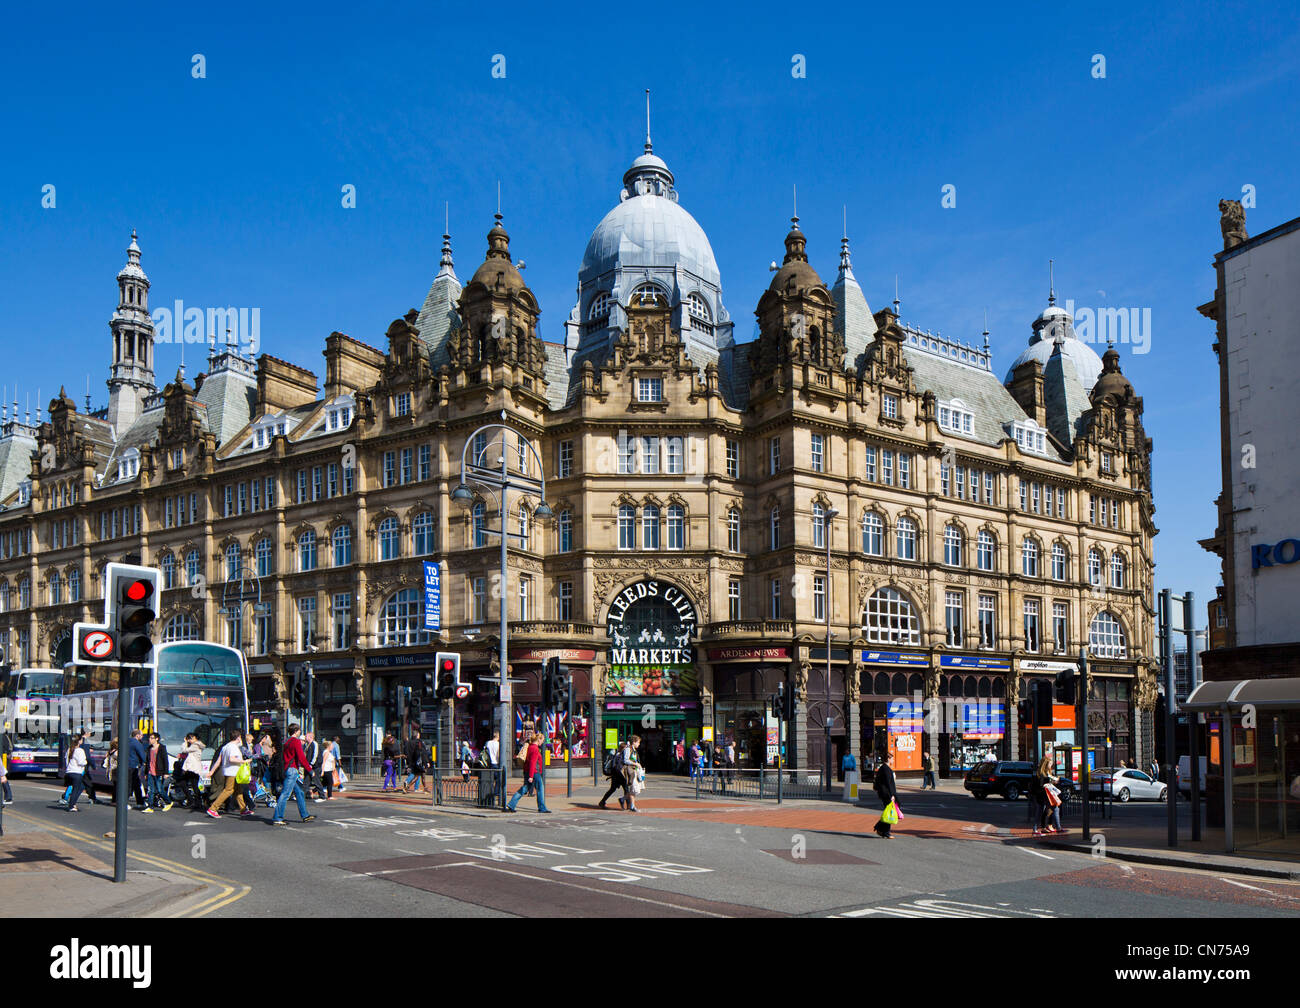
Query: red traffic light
pixel 448 665
pixel 137 591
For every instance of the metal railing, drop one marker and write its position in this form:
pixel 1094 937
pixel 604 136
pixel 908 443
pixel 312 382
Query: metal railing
pixel 763 783
pixel 477 788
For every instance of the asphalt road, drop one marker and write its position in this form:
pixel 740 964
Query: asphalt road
pixel 368 858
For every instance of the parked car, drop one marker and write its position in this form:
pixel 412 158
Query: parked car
pixel 1006 778
pixel 1123 785
pixel 1185 775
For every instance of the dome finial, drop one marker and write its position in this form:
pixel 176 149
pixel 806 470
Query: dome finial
pixel 986 330
pixel 445 264
pixel 649 148
pixel 1051 284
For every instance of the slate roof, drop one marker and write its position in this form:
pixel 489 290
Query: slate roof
pixel 937 371
pixel 1065 395
pixel 853 318
pixel 17 443
pixel 228 394
pixel 438 317
pixel 557 375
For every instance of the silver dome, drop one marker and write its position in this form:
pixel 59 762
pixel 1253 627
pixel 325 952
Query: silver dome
pixel 649 231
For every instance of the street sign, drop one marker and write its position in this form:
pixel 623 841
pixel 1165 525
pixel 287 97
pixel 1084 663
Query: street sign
pixel 462 692
pixel 432 596
pixel 98 644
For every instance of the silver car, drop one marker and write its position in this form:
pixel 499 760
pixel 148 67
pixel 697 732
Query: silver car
pixel 1124 785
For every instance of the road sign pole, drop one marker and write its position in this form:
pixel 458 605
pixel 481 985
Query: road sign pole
pixel 568 742
pixel 1171 701
pixel 122 793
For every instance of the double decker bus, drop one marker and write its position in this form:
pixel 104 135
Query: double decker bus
pixel 198 687
pixel 29 707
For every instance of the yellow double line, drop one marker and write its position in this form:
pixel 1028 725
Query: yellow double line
pixel 229 891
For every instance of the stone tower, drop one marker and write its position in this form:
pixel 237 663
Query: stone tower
pixel 131 377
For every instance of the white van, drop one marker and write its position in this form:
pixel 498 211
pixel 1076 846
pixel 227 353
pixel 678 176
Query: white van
pixel 1185 775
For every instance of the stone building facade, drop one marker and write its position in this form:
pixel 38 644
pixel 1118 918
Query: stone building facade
pixel 979 531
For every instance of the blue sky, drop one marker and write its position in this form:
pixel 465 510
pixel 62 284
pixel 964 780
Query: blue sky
pixel 234 181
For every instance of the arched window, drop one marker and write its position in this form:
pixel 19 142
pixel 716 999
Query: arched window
pixel 627 527
pixel 74 585
pixel 952 541
pixel 648 295
pixel 193 569
pixel 698 308
pixel 986 550
pixel 234 562
pixel 906 539
pixel 873 534
pixel 56 588
pixel 1117 570
pixel 888 618
pixel 422 533
pixel 600 305
pixel 1106 637
pixel 265 554
pixel 168 567
pixel 733 530
pixel 479 524
pixel 676 527
pixel 564 531
pixel 181 627
pixel 307 551
pixel 401 621
pixel 1059 561
pixel 1029 558
pixel 341 539
pixel 389 544
pixel 1095 564
pixel 650 527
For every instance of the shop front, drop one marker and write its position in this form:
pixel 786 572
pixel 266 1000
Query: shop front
pixel 389 674
pixel 652 686
pixel 528 663
pixel 891 708
pixel 973 712
pixel 745 678
pixel 334 702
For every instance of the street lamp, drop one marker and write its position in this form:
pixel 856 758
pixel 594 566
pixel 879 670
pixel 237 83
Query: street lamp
pixel 496 477
pixel 831 513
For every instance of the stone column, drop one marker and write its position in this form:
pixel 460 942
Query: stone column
pixel 852 711
pixel 797 743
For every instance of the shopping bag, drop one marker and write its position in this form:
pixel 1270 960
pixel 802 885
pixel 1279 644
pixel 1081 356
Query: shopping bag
pixel 890 815
pixel 244 774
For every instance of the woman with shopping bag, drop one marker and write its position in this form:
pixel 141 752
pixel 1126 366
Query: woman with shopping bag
pixel 887 792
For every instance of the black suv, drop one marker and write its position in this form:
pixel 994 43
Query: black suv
pixel 1009 779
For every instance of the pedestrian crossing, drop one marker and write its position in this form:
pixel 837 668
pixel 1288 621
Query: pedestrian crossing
pixel 947 908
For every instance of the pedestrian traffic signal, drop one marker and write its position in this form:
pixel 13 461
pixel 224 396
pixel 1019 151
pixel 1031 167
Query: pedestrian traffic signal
pixel 131 600
pixel 447 664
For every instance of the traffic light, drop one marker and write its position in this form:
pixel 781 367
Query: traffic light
pixel 131 598
pixel 561 688
pixel 1067 687
pixel 428 690
pixel 550 684
pixel 415 707
pixel 300 691
pixel 448 670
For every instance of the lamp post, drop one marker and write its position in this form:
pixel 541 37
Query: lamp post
pixel 831 514
pixel 497 478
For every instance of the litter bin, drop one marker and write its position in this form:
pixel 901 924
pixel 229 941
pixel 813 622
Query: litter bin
pixel 851 782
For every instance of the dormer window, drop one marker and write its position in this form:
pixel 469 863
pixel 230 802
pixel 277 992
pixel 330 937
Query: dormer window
pixel 338 415
pixel 956 418
pixel 649 390
pixel 698 309
pixel 647 295
pixel 1031 438
pixel 25 492
pixel 402 404
pixel 128 466
pixel 600 305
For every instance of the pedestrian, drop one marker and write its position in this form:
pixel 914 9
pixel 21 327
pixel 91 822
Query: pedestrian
pixel 731 760
pixel 697 758
pixel 927 764
pixel 312 749
pixel 887 792
pixel 633 772
pixel 340 778
pixel 466 758
pixel 534 776
pixel 390 763
pixel 136 757
pixel 848 763
pixel 1046 784
pixel 155 772
pixel 414 762
pixel 493 747
pixel 266 745
pixel 614 771
pixel 226 768
pixel 191 772
pixel 1154 769
pixel 6 749
pixel 110 769
pixel 75 762
pixel 295 765
pixel 679 755
pixel 327 768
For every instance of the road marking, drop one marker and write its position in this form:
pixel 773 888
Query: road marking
pixel 1268 892
pixel 1030 850
pixel 415 853
pixel 603 892
pixel 231 891
pixel 943 908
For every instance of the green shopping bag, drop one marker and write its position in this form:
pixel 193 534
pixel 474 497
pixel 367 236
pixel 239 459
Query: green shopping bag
pixel 890 815
pixel 244 774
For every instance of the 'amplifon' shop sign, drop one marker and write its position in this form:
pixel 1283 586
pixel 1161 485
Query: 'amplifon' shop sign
pixel 1266 555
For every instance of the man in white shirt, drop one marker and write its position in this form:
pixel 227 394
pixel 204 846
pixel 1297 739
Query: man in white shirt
pixel 228 763
pixel 494 749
